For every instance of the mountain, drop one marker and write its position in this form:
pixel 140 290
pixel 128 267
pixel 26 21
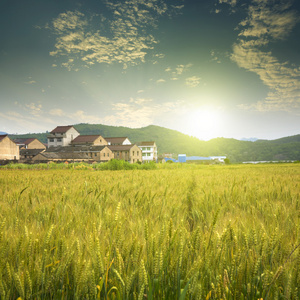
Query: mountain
pixel 172 141
pixel 253 139
pixel 2 133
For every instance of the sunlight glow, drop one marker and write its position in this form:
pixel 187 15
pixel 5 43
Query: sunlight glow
pixel 204 122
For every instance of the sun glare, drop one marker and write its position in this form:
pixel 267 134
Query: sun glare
pixel 204 123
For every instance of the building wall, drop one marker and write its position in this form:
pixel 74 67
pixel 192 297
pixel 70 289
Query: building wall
pixel 135 154
pixel 106 154
pixel 122 155
pixel 100 141
pixel 8 149
pixel 149 153
pixel 62 139
pixel 35 144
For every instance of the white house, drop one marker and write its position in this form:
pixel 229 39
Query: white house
pixel 149 151
pixel 62 136
pixel 218 158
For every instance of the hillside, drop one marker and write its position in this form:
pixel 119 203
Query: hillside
pixel 172 141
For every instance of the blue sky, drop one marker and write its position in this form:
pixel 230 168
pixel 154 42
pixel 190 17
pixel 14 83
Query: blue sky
pixel 211 68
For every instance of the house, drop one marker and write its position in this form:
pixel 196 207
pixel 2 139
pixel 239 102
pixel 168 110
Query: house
pixel 62 136
pixel 218 158
pixel 89 140
pixel 96 153
pixel 28 154
pixel 149 151
pixel 182 158
pixel 117 141
pixel 29 148
pixel 29 143
pixel 60 157
pixel 130 153
pixel 76 153
pixel 8 149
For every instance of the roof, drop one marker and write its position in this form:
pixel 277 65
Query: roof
pixel 2 136
pixel 31 151
pixel 198 158
pixel 62 129
pixel 85 138
pixel 24 141
pixel 120 147
pixel 118 140
pixel 169 158
pixel 146 143
pixel 63 155
pixel 75 149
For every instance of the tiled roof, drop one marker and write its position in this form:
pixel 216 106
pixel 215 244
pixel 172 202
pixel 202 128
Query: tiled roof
pixel 31 151
pixel 115 140
pixel 61 129
pixel 146 144
pixel 24 141
pixel 85 138
pixel 63 155
pixel 120 147
pixel 74 149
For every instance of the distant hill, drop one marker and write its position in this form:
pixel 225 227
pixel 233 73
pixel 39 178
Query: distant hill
pixel 172 141
pixel 2 133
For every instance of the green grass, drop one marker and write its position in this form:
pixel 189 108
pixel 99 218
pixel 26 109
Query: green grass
pixel 176 232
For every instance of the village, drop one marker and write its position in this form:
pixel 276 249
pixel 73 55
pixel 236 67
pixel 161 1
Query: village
pixel 65 144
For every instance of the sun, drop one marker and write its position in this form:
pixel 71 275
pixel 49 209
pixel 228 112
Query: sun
pixel 204 122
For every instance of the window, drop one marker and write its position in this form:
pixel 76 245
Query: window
pixel 104 154
pixel 59 139
pixel 148 154
pixel 133 153
pixel 107 154
pixel 51 140
pixel 137 153
pixel 144 154
pixel 95 154
pixel 148 148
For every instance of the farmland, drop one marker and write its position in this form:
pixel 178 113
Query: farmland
pixel 176 232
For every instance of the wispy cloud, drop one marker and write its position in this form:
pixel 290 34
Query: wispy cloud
pixel 124 38
pixel 214 57
pixel 177 71
pixel 192 81
pixel 269 21
pixel 34 109
pixel 137 113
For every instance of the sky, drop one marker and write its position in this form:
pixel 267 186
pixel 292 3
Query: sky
pixel 209 68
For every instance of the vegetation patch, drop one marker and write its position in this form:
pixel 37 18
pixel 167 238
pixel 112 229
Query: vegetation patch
pixel 177 232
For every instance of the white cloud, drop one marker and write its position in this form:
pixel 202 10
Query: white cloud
pixel 176 72
pixel 160 80
pixel 192 81
pixel 124 38
pixel 140 113
pixel 56 112
pixel 230 2
pixel 34 109
pixel 268 22
pixel 214 57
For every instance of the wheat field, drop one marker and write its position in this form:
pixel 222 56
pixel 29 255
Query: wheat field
pixel 176 232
